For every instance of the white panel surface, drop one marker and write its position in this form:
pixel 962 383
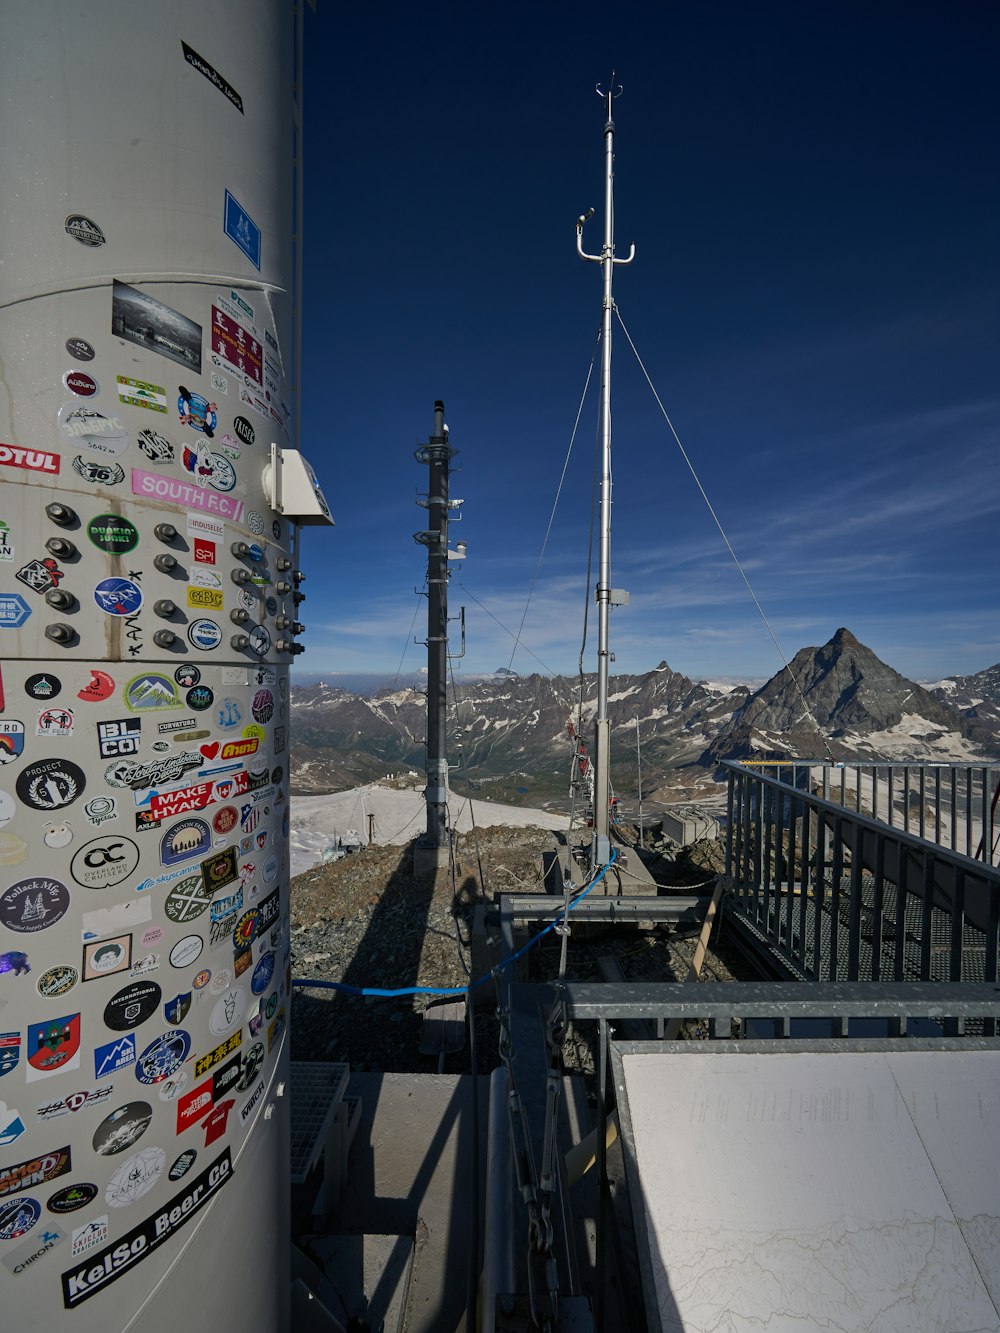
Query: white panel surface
pixel 794 1191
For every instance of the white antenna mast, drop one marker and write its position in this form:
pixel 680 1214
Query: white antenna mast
pixel 601 847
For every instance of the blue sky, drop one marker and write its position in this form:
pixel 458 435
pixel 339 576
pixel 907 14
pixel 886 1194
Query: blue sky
pixel 813 194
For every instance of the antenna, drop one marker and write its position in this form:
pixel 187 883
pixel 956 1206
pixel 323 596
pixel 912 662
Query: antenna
pixel 601 845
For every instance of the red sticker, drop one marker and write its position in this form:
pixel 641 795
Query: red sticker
pixel 204 552
pixel 101 686
pixel 80 383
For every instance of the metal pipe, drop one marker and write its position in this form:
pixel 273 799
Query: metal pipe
pixel 498 1250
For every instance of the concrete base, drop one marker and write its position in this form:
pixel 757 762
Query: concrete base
pixel 428 861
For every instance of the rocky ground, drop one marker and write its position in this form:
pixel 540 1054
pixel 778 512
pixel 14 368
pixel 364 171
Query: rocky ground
pixel 365 922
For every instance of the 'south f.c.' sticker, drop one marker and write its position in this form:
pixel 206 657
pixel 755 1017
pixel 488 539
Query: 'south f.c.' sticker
pixel 53 1047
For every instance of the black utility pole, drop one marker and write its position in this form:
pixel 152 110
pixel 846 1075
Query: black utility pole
pixel 437 452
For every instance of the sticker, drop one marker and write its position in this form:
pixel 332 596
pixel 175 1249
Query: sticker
pixel 50 784
pixel 99 474
pixel 131 1006
pixel 40 686
pixel 150 692
pixel 112 533
pixel 138 393
pixel 93 429
pixel 186 951
pixel 214 1057
pixel 245 931
pixel 189 838
pixel 175 1010
pixel 226 1077
pixel 156 447
pixel 247 601
pixel 173 490
pixel 104 861
pixel 236 346
pixel 135 1177
pixel 204 551
pixel 204 634
pixel 228 1012
pixel 141 966
pixel 53 1047
pixel 80 349
pixel 262 974
pixel 201 979
pixel 220 869
pixel 57 980
pixel 196 411
pixel 104 1267
pixel 255 522
pixel 172 1088
pixel 119 737
pixel 129 773
pixel 14 610
pixel 84 230
pixel 152 936
pixel 40 575
pixel 118 597
pixel 247 1109
pixel 18 1216
pixel 260 640
pixel 140 319
pixel 101 686
pixel 8 808
pixel 119 918
pixel 6 549
pixel 114 1056
pixel 183 1164
pixel 214 77
pixel 214 1124
pixel 21 1259
pixel 228 714
pixel 80 383
pixel 10 1054
pixel 225 820
pixel 54 722
pixel 33 904
pixel 199 698
pixel 244 432
pixel 206 599
pixel 11 740
pixel 262 705
pixel 187 675
pixel 91 1234
pixel 72 1197
pixel 191 1108
pixel 187 900
pixel 220 385
pixel 11 1125
pixel 101 809
pixel 36 1171
pixel 32 460
pixel 15 962
pixel 58 834
pixel 102 958
pixel 252 1062
pixel 122 1128
pixel 163 1056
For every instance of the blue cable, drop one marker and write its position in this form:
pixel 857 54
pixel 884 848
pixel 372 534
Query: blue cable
pixel 457 990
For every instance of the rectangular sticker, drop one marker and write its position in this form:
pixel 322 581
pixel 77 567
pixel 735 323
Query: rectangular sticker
pixel 140 319
pixel 199 526
pixel 236 346
pixel 205 598
pixel 206 1062
pixel 155 486
pixel 137 393
pixel 38 1171
pixel 104 1267
pixel 32 460
pixel 242 230
pixel 214 77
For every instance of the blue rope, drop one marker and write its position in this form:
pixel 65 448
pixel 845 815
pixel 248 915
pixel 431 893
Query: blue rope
pixel 456 990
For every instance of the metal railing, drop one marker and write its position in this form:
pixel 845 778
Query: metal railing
pixel 835 894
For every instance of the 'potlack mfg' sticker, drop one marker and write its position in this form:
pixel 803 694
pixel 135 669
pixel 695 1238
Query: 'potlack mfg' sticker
pixel 33 904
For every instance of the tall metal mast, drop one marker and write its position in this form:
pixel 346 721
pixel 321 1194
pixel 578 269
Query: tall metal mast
pixel 607 260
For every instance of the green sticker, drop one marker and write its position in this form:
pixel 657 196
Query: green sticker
pixel 112 533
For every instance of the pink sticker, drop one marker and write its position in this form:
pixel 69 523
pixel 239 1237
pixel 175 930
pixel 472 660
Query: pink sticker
pixel 152 936
pixel 171 490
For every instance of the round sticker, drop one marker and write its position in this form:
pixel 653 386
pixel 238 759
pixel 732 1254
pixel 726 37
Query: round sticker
pixel 271 605
pixel 72 1197
pixel 221 981
pixel 100 809
pixel 163 1056
pixel 42 686
pixel 112 533
pixel 201 979
pixel 85 426
pixel 228 1012
pixel 255 552
pixel 262 974
pixel 187 899
pixel 131 1006
pixel 255 522
pixel 186 951
pixel 80 383
pixel 171 1088
pixel 135 1177
pixel 260 640
pixel 57 980
pixel 262 705
pixel 183 1164
pixel 58 833
pixel 118 597
pixel 187 675
pixel 84 230
pixel 101 686
pixel 80 349
pixel 247 599
pixel 104 861
pixel 33 904
pixel 225 820
pixel 199 698
pixel 252 1062
pixel 228 714
pixel 204 634
pixel 246 929
pixel 122 1128
pixel 196 412
pixel 243 431
pixel 50 784
pixel 18 1216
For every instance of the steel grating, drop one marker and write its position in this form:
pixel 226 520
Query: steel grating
pixel 318 1087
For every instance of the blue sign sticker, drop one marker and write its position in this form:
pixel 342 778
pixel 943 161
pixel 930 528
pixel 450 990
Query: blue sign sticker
pixel 114 1056
pixel 118 597
pixel 240 227
pixel 14 610
pixel 262 974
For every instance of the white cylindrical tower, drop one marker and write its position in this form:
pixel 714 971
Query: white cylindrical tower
pixel 147 611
